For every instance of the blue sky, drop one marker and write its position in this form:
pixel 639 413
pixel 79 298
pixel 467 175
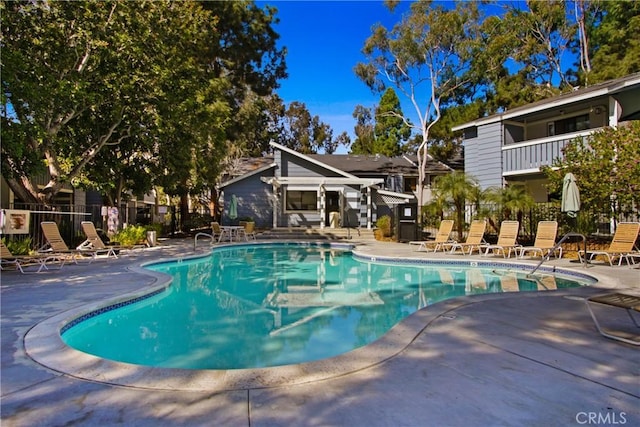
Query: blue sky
pixel 324 40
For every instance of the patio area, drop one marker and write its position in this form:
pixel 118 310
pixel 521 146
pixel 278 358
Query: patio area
pixel 499 359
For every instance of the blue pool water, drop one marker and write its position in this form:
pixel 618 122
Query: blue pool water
pixel 277 304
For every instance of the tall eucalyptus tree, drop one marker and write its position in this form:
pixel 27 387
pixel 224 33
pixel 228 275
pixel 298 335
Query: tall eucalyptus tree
pixel 427 57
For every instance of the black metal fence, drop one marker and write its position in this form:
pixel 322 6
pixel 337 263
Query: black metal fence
pixel 594 223
pixel 68 218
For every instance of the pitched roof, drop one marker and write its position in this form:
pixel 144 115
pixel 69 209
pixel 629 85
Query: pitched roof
pixel 356 164
pixel 245 167
pixel 351 165
pixel 609 87
pixel 311 159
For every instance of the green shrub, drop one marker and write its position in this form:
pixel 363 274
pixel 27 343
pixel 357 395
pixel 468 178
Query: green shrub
pixel 157 227
pixel 384 224
pixel 131 235
pixel 18 247
pixel 196 221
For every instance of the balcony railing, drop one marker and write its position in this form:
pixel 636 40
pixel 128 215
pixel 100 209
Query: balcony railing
pixel 529 156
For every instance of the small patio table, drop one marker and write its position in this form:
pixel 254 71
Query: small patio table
pixel 232 231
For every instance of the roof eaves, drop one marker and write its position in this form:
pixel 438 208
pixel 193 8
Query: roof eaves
pixel 247 175
pixel 557 101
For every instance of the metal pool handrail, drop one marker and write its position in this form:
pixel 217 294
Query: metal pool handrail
pixel 546 257
pixel 195 239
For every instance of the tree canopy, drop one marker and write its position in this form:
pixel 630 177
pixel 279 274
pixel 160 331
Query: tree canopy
pixel 364 130
pixel 520 53
pixel 428 57
pixel 120 95
pixel 606 167
pixel 391 131
pixel 614 41
pixel 387 134
pixel 305 133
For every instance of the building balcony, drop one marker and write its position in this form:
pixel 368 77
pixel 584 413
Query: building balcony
pixel 528 156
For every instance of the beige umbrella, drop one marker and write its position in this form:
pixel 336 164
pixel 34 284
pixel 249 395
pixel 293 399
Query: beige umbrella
pixel 570 196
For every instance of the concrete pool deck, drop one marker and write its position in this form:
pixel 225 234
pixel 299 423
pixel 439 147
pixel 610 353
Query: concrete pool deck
pixel 501 359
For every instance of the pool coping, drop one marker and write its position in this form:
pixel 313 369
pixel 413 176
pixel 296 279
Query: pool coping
pixel 44 345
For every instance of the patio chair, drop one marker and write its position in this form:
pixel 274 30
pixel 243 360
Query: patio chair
pixel 446 226
pixel 95 243
pixel 248 232
pixel 621 246
pixel 627 302
pixel 545 240
pixel 474 239
pixel 23 262
pixel 55 244
pixel 220 233
pixel 506 240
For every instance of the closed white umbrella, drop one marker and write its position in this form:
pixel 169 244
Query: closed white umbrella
pixel 570 196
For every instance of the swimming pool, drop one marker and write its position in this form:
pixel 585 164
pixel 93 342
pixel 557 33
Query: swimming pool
pixel 263 305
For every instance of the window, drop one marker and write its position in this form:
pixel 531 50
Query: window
pixel 470 132
pixel 572 124
pixel 551 129
pixel 410 184
pixel 301 200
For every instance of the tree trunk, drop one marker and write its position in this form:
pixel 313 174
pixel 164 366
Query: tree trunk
pixel 23 190
pixel 213 205
pixel 184 210
pixel 460 220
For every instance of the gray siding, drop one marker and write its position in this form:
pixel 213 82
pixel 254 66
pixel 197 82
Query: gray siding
pixel 254 200
pixel 294 166
pixel 483 156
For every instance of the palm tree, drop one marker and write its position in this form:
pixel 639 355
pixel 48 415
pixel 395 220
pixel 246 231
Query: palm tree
pixel 512 198
pixel 454 190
